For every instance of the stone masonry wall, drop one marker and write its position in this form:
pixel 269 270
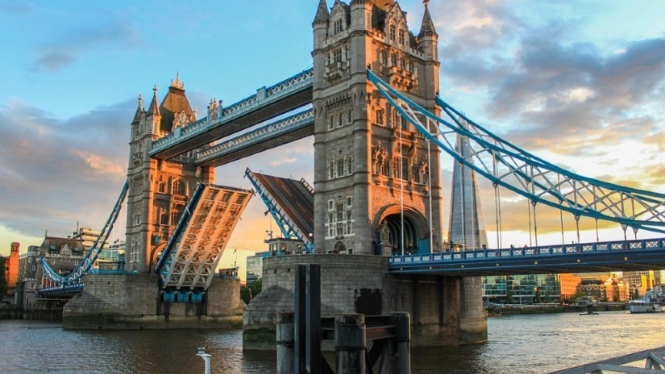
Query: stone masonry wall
pixel 133 302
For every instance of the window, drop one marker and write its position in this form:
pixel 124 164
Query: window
pixel 337 55
pixel 340 167
pixel 392 32
pixel 384 57
pixel 348 170
pixel 177 188
pixel 331 169
pixel 341 121
pixel 393 60
pixel 163 218
pixel 349 199
pixel 401 37
pixel 331 205
pixel 401 63
pixel 175 215
pixel 331 123
pixel 337 26
pixel 349 117
pixel 379 116
pixel 161 187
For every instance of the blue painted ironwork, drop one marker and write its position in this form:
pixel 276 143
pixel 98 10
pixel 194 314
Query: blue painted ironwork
pixel 264 133
pixel 263 97
pixel 568 254
pixel 509 166
pixel 86 264
pixel 192 254
pixel 286 225
pixel 168 254
pixel 62 289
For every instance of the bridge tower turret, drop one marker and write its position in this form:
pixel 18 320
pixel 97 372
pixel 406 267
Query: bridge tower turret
pixel 158 190
pixel 374 175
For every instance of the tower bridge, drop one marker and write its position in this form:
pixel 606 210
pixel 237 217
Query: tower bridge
pixel 378 131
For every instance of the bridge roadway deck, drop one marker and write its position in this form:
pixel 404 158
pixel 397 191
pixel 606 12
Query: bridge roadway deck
pixel 267 103
pixel 293 197
pixel 636 255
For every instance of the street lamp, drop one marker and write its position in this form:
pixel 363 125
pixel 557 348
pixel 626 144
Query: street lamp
pixel 206 358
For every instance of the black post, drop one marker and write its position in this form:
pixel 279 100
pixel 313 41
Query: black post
pixel 313 353
pixel 300 320
pixel 285 343
pixel 350 343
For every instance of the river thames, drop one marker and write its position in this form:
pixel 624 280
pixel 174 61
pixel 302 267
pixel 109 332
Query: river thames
pixel 517 344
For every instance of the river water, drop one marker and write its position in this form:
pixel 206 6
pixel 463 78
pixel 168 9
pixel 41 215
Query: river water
pixel 517 344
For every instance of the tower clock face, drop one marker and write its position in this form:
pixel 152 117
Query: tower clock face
pixel 214 115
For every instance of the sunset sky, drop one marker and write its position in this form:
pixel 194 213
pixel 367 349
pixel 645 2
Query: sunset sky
pixel 578 83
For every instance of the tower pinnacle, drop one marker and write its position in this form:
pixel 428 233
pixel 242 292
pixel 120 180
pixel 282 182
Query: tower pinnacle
pixel 154 106
pixel 427 26
pixel 322 14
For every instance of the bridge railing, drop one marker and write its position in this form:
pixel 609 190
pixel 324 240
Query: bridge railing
pixel 549 250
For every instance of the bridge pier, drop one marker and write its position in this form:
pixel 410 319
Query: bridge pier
pixel 445 310
pixel 133 302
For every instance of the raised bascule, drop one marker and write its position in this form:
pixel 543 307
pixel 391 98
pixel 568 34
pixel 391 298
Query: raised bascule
pixel 372 219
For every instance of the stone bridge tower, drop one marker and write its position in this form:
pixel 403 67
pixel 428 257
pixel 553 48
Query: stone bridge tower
pixel 375 177
pixel 158 190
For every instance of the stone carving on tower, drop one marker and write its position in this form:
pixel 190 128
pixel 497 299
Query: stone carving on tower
pixel 158 190
pixel 370 164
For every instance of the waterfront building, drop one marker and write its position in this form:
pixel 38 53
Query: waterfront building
pixel 568 285
pixel 11 269
pixel 61 254
pixel 254 268
pixel 640 281
pixel 111 257
pixel 522 289
pixel 86 235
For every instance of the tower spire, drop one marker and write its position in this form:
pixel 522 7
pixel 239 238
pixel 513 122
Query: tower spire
pixel 154 107
pixel 322 14
pixel 427 26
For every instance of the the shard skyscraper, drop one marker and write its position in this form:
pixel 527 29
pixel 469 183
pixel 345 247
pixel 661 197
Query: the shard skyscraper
pixel 467 227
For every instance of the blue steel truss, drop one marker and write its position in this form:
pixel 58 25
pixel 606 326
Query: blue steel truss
pixel 264 133
pixel 190 258
pixel 263 97
pixel 86 264
pixel 509 166
pixel 581 257
pixel 286 225
pixel 168 254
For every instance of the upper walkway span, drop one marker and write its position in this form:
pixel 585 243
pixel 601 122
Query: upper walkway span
pixel 267 103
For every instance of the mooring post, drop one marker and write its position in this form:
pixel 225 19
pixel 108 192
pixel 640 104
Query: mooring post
pixel 300 319
pixel 350 344
pixel 402 324
pixel 285 343
pixel 313 329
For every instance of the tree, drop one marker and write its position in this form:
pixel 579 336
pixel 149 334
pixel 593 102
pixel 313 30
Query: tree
pixel 249 291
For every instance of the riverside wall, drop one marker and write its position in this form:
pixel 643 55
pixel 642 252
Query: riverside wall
pixel 133 302
pixel 362 284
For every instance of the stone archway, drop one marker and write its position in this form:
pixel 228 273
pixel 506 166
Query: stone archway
pixel 390 229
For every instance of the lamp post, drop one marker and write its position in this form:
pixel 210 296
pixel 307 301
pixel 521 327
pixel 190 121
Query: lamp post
pixel 206 358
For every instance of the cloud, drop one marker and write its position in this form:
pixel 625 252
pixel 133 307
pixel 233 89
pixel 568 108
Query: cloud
pixel 58 172
pixel 114 34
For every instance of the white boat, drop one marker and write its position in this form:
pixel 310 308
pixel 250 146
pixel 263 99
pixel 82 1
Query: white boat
pixel 644 306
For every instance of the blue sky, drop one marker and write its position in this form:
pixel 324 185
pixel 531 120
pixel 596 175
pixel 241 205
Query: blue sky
pixel 579 83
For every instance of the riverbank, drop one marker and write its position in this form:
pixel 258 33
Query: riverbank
pixel 14 312
pixel 495 310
